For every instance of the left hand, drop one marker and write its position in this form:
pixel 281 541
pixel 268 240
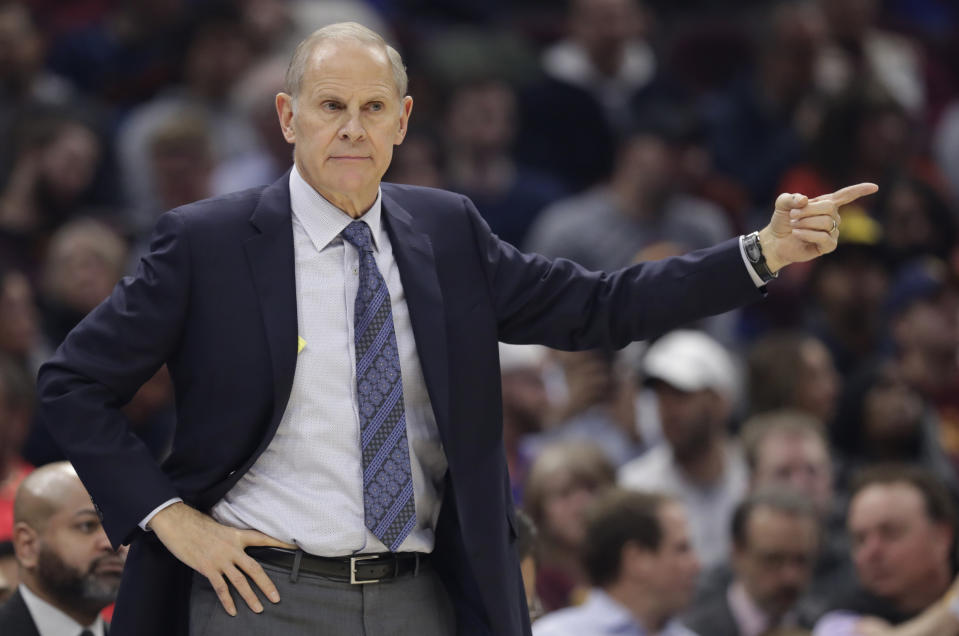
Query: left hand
pixel 802 229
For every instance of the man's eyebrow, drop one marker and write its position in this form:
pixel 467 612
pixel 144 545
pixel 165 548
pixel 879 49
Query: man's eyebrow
pixel 85 512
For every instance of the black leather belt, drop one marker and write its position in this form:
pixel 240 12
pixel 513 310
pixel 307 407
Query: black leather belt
pixel 361 568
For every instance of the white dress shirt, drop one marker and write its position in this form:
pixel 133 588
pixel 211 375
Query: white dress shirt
pixel 51 621
pixel 307 486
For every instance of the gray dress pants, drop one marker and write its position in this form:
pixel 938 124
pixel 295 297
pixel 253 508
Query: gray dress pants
pixel 316 606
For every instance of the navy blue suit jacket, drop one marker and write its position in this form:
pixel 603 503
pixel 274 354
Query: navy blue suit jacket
pixel 215 300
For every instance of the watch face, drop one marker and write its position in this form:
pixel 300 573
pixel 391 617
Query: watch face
pixel 752 249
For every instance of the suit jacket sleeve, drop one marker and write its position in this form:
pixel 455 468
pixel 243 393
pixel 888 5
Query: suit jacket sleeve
pixel 100 366
pixel 559 303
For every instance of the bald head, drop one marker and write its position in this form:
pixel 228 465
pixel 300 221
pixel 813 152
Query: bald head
pixel 44 492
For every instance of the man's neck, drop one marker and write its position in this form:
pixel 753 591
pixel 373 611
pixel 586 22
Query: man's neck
pixel 707 466
pixel 644 607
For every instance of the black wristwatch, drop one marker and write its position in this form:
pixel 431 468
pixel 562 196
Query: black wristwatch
pixel 754 252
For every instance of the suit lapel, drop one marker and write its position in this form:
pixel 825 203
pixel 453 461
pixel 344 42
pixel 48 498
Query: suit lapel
pixel 270 255
pixel 414 256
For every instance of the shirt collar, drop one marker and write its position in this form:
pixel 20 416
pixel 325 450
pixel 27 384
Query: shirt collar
pixel 322 220
pixel 51 621
pixel 610 617
pixel 750 619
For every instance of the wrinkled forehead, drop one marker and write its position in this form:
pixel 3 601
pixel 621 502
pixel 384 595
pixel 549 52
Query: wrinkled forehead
pixel 348 63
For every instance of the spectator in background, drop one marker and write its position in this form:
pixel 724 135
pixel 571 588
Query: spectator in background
pixel 20 333
pixel 16 410
pixel 856 48
pixel 127 55
pixel 642 566
pixel 848 289
pixel 564 480
pixel 598 73
pixel 793 370
pixel 776 536
pixel 757 127
pixel 593 401
pixel 56 160
pixel 696 386
pixel 903 523
pixel 607 226
pixel 917 220
pixel 420 160
pixel 85 259
pixel 181 160
pixel 922 308
pixel 789 450
pixel 215 58
pixel 525 406
pixel 24 82
pixel 480 129
pixel 68 570
pixel 865 134
pixel 884 419
pixel 271 157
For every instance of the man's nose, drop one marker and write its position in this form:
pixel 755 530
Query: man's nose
pixel 102 541
pixel 352 128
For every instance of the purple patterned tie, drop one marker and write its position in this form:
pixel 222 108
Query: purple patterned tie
pixel 387 479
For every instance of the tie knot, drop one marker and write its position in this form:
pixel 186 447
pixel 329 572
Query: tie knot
pixel 359 236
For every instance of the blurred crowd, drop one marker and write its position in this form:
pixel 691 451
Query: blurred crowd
pixel 798 456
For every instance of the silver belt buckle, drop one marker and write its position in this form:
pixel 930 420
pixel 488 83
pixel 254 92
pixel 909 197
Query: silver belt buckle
pixel 353 560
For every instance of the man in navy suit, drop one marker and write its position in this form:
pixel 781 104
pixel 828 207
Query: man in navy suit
pixel 261 304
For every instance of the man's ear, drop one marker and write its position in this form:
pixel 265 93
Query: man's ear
pixel 406 108
pixel 284 112
pixel 636 561
pixel 26 545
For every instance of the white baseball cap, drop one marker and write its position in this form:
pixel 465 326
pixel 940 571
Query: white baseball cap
pixel 692 361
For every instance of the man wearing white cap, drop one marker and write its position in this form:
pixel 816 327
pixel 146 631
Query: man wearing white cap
pixel 696 384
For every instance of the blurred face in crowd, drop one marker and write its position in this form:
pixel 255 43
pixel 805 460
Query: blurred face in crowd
pixel 564 508
pixel 524 399
pixel 689 419
pixel 668 575
pixel 775 565
pixel 818 383
pixel 66 557
pixel 851 289
pixel 347 118
pixel 650 164
pixel 417 162
pixel 216 59
pixel 83 265
pixel 67 165
pixel 909 225
pixel 603 28
pixel 481 118
pixel 891 412
pixel 19 322
pixel 929 326
pixel 798 460
pixel 21 51
pixel 896 547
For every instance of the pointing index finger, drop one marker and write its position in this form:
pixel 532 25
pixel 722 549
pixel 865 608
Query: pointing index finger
pixel 851 193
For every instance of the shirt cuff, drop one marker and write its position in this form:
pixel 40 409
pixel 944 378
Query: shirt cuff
pixel 749 266
pixel 149 517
